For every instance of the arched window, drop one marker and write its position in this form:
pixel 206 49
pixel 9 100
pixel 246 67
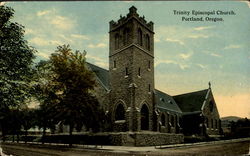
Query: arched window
pixel 147 42
pixel 116 41
pixel 139 71
pixel 125 36
pixel 163 121
pixel 120 112
pixel 144 117
pixel 139 37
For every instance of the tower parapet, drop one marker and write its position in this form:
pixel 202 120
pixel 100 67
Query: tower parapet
pixel 132 14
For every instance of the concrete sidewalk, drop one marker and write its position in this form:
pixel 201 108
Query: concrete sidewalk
pixel 137 149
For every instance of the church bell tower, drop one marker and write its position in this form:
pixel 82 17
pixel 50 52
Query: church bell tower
pixel 131 68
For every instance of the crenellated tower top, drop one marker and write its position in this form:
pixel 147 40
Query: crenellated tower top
pixel 132 14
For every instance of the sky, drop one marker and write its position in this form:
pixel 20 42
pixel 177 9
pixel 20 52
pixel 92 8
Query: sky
pixel 188 54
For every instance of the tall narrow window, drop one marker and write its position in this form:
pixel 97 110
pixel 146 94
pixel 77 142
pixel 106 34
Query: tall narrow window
pixel 149 88
pixel 139 71
pixel 212 123
pixel 116 41
pixel 139 37
pixel 163 120
pixel 126 71
pixel 114 64
pixel 147 42
pixel 149 64
pixel 125 36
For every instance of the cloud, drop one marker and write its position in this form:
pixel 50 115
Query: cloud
pixel 182 66
pixel 55 42
pixel 41 13
pixel 99 45
pixel 215 55
pixel 157 40
pixel 65 38
pixel 185 56
pixel 98 61
pixel 201 66
pixel 165 61
pixel 198 36
pixel 39 41
pixel 2 3
pixel 203 28
pixel 43 42
pixel 29 31
pixel 43 54
pixel 63 23
pixel 175 41
pixel 233 46
pixel 77 36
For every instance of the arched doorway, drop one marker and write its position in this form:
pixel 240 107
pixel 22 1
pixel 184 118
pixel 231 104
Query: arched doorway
pixel 144 118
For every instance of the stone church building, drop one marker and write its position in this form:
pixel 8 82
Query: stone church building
pixel 127 90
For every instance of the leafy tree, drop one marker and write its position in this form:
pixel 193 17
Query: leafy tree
pixel 15 123
pixel 28 120
pixel 15 64
pixel 45 93
pixel 77 106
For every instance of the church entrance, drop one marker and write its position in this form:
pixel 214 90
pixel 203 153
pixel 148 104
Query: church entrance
pixel 144 118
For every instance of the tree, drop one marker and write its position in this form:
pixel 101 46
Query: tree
pixel 28 120
pixel 44 91
pixel 77 106
pixel 16 58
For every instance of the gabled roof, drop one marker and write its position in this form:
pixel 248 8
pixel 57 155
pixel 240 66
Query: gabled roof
pixel 191 102
pixel 101 73
pixel 165 102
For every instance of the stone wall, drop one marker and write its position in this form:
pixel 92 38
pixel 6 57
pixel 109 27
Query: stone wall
pixel 153 139
pixel 145 138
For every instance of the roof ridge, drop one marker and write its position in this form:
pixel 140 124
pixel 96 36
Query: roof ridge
pixel 190 92
pixel 163 92
pixel 97 66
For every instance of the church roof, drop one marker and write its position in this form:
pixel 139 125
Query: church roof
pixel 165 102
pixel 191 102
pixel 101 73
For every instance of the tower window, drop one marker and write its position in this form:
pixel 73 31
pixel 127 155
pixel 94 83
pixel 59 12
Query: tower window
pixel 139 71
pixel 126 71
pixel 114 64
pixel 147 42
pixel 149 64
pixel 149 88
pixel 116 41
pixel 139 37
pixel 125 36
